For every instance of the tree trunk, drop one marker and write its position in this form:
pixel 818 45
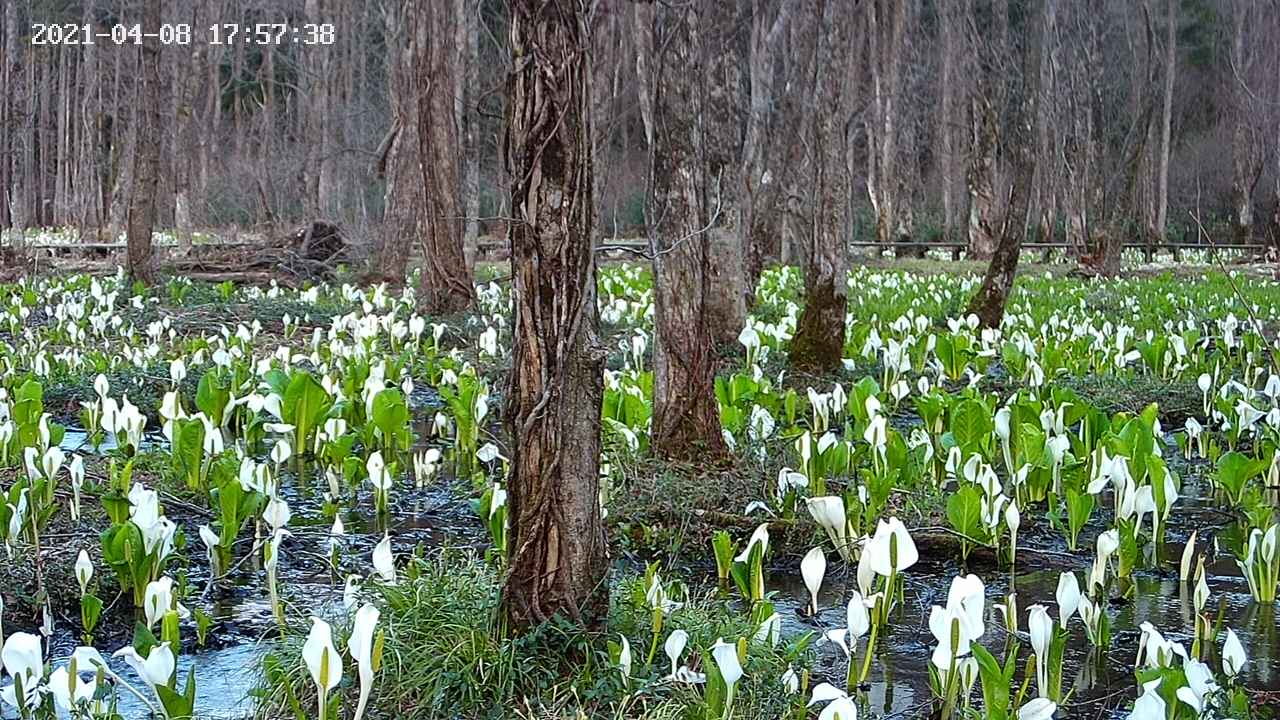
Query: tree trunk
pixel 818 344
pixel 470 123
pixel 398 162
pixel 141 217
pixel 1244 164
pixel 758 224
pixel 886 31
pixel 555 537
pixel 1166 121
pixel 9 54
pixel 948 20
pixel 986 106
pixel 686 415
pixel 988 304
pixel 720 131
pixel 1275 209
pixel 980 176
pixel 447 282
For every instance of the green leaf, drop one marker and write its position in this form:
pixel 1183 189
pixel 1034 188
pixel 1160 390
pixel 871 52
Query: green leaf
pixel 995 686
pixel 304 405
pixel 971 424
pixel 212 396
pixel 964 511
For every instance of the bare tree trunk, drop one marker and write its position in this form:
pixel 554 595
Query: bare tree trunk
pixel 719 127
pixel 758 225
pixel 184 90
pixel 886 31
pixel 320 107
pixel 1244 161
pixel 948 20
pixel 555 536
pixel 979 177
pixel 818 344
pixel 986 103
pixel 1275 113
pixel 686 415
pixel 9 54
pixel 1166 121
pixel 989 302
pixel 402 220
pixel 470 123
pixel 1122 189
pixel 447 283
pixel 141 217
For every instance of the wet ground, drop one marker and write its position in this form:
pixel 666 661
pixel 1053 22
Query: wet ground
pixel 1102 684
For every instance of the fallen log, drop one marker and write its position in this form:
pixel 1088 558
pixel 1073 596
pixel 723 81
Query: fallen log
pixel 310 253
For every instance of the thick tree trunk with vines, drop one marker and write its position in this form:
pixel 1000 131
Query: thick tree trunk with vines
pixel 686 415
pixel 818 344
pixel 555 537
pixel 446 283
pixel 141 215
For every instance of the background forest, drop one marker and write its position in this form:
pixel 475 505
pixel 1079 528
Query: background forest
pixel 1148 110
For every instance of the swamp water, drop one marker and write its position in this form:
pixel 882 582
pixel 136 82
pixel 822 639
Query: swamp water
pixel 1101 684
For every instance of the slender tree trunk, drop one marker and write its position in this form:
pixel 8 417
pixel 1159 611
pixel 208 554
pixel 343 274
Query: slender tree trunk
pixel 1166 121
pixel 1243 161
pixel 447 283
pixel 141 218
pixel 818 344
pixel 886 33
pixel 555 536
pixel 9 54
pixel 470 123
pixel 686 415
pixel 947 116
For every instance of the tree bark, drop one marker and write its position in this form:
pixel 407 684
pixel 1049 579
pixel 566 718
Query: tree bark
pixel 886 31
pixel 980 175
pixel 402 199
pixel 1166 121
pixel 686 415
pixel 986 104
pixel 469 121
pixel 9 72
pixel 989 302
pixel 948 20
pixel 555 536
pixel 720 127
pixel 141 216
pixel 446 284
pixel 1245 164
pixel 818 344
pixel 759 222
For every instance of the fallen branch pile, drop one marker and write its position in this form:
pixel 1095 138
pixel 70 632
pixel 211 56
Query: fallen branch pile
pixel 308 254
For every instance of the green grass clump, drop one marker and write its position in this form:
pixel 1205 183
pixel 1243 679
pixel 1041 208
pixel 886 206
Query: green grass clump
pixel 445 656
